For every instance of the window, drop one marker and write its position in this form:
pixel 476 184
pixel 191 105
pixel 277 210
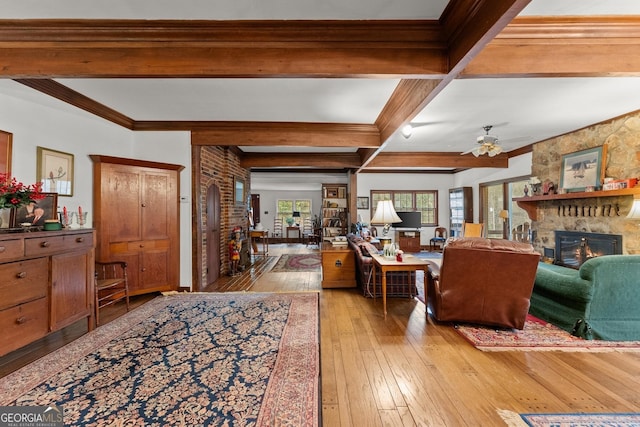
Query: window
pixel 495 197
pixel 423 201
pixel 285 209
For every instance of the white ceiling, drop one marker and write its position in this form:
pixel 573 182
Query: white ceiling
pixel 522 110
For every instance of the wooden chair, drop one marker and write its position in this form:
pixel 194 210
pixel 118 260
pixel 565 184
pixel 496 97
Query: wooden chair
pixel 439 238
pixel 472 229
pixel 111 285
pixel 277 227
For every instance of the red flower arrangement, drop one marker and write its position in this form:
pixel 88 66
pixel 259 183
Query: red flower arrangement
pixel 14 194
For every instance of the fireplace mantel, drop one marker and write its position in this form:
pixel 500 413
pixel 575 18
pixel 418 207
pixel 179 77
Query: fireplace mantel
pixel 530 204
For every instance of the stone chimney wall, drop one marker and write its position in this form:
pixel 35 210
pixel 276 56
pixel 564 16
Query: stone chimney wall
pixel 597 214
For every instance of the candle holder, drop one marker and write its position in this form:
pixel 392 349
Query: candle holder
pixel 67 219
pixel 82 219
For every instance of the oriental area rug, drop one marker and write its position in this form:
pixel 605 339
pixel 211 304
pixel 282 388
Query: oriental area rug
pixel 537 335
pixel 298 262
pixel 571 420
pixel 232 359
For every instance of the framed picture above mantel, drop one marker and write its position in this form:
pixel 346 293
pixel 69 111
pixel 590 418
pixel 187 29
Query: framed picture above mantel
pixel 583 170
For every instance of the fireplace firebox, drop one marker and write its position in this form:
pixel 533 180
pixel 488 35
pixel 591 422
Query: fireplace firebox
pixel 575 247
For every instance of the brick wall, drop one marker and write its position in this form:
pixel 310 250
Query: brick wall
pixel 221 166
pixel 622 136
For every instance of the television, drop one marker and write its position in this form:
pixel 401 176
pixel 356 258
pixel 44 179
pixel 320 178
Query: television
pixel 409 220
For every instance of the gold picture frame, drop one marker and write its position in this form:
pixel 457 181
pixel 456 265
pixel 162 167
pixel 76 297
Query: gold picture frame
pixel 55 171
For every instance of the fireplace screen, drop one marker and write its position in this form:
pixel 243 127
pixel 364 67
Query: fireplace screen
pixel 575 247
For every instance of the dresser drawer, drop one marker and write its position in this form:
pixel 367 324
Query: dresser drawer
pixel 23 324
pixel 11 249
pixel 23 281
pixel 48 245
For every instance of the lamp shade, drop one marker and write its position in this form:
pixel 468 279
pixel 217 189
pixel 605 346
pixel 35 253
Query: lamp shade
pixel 504 214
pixel 385 213
pixel 296 214
pixel 634 213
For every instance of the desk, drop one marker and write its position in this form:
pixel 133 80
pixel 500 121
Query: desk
pixel 409 263
pixel 296 229
pixel 260 236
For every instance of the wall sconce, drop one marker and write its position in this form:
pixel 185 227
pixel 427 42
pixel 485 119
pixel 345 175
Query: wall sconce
pixel 504 214
pixel 634 213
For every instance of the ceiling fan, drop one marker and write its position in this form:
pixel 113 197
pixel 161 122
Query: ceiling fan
pixel 488 144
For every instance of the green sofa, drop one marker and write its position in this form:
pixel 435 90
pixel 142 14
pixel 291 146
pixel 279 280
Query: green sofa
pixel 600 301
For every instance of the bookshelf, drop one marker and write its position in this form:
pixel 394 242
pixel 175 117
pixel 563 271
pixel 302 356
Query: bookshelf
pixel 334 210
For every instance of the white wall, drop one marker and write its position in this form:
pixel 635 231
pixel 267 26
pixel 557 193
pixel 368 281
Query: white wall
pixel 408 181
pixel 36 120
pixel 518 166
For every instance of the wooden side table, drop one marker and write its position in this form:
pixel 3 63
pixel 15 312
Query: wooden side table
pixel 409 263
pixel 262 237
pixel 296 229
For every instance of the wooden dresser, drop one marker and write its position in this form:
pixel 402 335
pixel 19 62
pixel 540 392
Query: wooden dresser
pixel 338 266
pixel 47 284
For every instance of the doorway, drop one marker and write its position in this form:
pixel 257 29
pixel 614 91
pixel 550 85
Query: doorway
pixel 213 234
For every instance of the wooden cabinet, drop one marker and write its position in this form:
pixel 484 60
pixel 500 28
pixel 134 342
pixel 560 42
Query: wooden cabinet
pixel 409 241
pixel 338 266
pixel 334 210
pixel 137 220
pixel 460 209
pixel 47 284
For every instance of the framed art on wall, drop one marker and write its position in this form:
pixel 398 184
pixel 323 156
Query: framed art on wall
pixel 238 190
pixel 362 203
pixel 583 169
pixel 55 171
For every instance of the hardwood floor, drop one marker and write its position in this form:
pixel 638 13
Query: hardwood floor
pixel 408 370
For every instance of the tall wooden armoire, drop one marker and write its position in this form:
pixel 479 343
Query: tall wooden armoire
pixel 136 217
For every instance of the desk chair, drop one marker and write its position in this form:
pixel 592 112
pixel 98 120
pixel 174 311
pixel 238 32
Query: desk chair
pixel 111 285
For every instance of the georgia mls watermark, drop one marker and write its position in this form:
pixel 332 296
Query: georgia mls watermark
pixel 31 416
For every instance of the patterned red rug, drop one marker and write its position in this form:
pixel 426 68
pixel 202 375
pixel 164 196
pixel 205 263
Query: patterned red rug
pixel 537 335
pixel 186 359
pixel 299 262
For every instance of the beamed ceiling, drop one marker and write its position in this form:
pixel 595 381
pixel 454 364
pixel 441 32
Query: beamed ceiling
pixel 332 94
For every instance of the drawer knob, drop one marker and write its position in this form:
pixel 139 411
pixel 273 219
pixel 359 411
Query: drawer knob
pixel 79 239
pixel 2 249
pixel 143 269
pixel 338 263
pixel 45 244
pixel 21 275
pixel 20 320
pixel 141 245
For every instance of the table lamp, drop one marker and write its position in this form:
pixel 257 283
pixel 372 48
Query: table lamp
pixel 385 215
pixel 296 216
pixel 634 212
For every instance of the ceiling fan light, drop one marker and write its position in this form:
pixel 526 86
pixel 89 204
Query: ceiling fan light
pixel 407 130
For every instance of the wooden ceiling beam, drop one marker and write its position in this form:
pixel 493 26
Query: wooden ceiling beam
pixel 300 160
pixel 436 160
pixel 287 134
pixel 109 49
pixel 562 47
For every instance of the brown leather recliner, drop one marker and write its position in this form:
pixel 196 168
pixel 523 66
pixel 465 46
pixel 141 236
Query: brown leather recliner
pixel 483 281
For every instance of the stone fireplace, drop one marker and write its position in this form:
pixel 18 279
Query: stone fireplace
pixel 575 247
pixel 598 214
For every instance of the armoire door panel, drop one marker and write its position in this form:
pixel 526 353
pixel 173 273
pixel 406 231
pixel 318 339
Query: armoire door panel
pixel 156 194
pixel 124 216
pixel 153 271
